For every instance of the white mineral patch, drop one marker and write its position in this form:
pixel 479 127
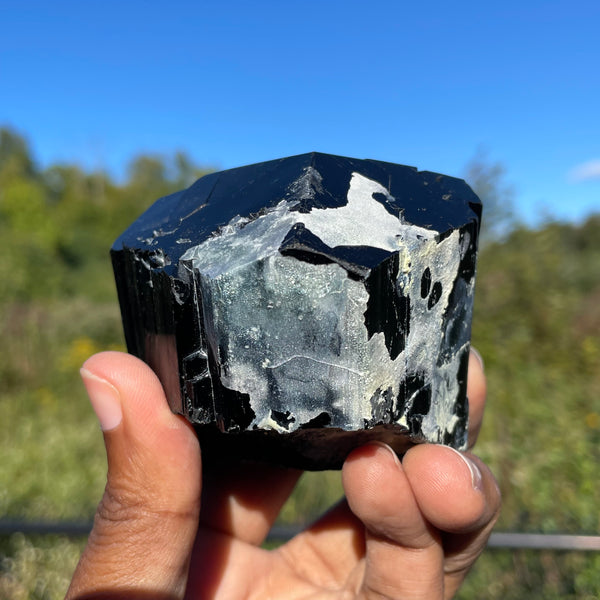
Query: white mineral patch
pixel 242 242
pixel 427 338
pixel 363 221
pixel 289 364
pixel 426 323
pixel 269 423
pixel 292 335
pixel 309 184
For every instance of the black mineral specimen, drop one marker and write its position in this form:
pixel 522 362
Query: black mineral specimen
pixel 297 308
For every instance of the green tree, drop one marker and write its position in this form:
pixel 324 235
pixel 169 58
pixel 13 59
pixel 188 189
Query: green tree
pixel 488 180
pixel 15 156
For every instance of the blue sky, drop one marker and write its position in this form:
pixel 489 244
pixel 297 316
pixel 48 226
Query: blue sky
pixel 232 83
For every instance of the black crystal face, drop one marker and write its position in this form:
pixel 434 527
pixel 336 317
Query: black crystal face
pixel 296 308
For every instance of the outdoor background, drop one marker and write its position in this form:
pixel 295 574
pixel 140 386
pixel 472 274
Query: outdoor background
pixel 106 107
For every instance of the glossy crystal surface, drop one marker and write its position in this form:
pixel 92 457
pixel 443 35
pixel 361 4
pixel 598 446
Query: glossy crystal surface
pixel 296 308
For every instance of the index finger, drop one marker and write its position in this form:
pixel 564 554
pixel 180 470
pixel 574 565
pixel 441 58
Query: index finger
pixel 243 499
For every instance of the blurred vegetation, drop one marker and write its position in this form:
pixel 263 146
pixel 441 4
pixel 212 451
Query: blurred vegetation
pixel 537 324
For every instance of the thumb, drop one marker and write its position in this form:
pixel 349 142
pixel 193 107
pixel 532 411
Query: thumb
pixel 146 522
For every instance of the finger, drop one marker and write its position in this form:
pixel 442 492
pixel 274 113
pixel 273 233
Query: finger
pixel 243 499
pixel 404 556
pixel 458 495
pixel 476 392
pixel 146 522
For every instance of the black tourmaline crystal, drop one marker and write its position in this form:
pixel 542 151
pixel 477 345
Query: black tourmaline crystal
pixel 297 308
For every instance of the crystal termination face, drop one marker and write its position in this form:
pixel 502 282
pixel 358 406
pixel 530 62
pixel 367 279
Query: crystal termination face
pixel 298 308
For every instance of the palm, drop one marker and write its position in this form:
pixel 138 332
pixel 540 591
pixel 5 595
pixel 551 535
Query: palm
pixel 340 555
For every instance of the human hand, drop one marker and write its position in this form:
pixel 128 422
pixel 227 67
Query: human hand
pixel 169 527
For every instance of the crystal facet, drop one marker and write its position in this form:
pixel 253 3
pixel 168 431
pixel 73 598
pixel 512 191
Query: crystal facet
pixel 297 308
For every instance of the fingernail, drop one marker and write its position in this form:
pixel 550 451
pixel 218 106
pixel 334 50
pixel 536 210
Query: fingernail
pixel 476 478
pixel 104 398
pixel 478 356
pixel 387 449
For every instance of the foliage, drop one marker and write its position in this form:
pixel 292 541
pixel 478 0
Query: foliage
pixel 537 324
pixel 488 182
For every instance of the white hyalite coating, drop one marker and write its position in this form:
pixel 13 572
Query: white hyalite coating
pixel 292 334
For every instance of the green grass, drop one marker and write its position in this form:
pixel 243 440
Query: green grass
pixel 541 438
pixel 37 567
pixel 534 575
pixel 40 568
pixel 53 463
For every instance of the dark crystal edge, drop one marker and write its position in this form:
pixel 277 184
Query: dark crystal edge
pixel 310 449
